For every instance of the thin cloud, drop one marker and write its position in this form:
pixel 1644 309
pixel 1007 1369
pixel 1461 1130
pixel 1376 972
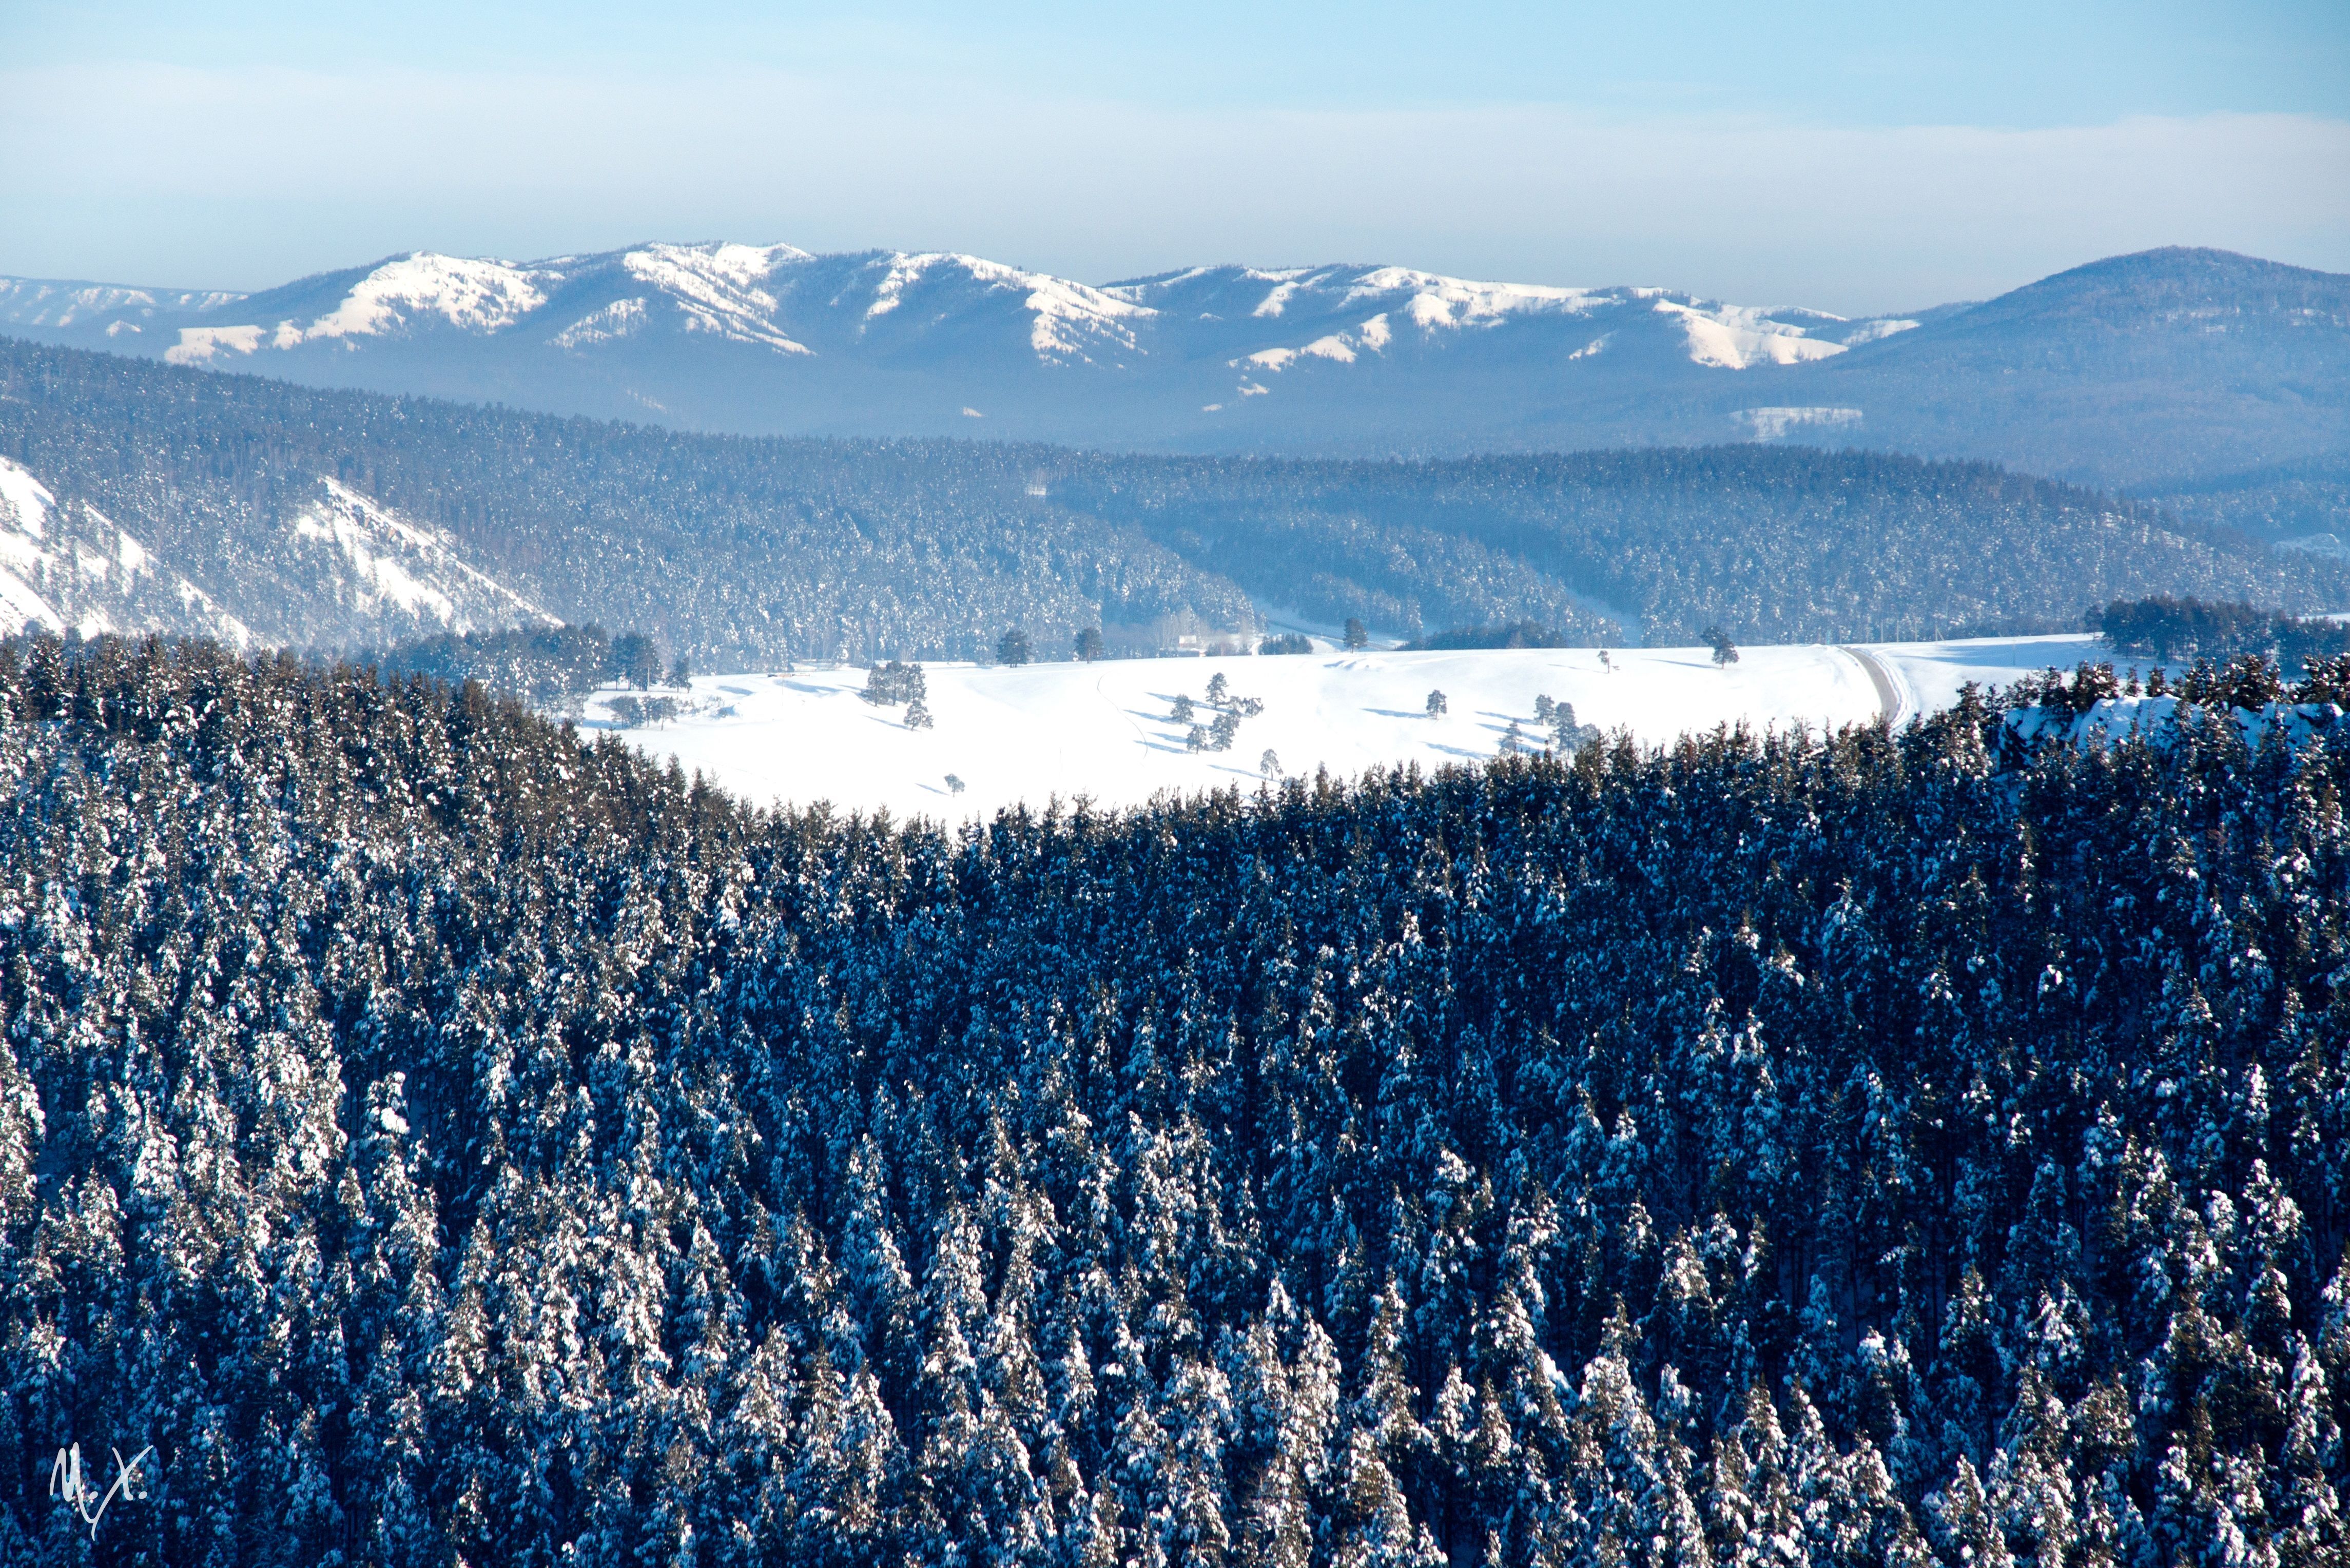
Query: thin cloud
pixel 173 175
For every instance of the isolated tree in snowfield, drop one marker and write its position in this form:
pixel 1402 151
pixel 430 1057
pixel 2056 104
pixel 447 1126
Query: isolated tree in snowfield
pixel 1357 634
pixel 1269 764
pixel 954 784
pixel 1012 647
pixel 918 716
pixel 681 673
pixel 1513 740
pixel 1544 708
pixel 895 681
pixel 1725 651
pixel 1089 644
pixel 1197 740
pixel 1607 663
pixel 1565 732
pixel 1224 730
pixel 1437 704
pixel 635 659
pixel 1183 709
pixel 1219 690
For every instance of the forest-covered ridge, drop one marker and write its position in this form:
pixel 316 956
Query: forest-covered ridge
pixel 441 1137
pixel 738 552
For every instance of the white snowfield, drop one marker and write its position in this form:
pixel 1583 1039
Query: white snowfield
pixel 1106 731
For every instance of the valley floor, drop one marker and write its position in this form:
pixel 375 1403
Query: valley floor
pixel 1106 731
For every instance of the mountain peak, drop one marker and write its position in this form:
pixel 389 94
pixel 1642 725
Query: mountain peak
pixel 1357 357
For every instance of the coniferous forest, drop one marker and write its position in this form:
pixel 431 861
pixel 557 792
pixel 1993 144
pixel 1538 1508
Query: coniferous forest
pixel 443 1140
pixel 741 554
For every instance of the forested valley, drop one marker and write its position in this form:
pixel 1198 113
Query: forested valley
pixel 444 1139
pixel 741 554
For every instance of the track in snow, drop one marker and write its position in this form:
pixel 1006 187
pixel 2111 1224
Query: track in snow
pixel 1888 696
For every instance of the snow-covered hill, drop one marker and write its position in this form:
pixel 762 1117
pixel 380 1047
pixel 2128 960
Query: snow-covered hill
pixel 1109 731
pixel 2141 367
pixel 335 568
pixel 69 568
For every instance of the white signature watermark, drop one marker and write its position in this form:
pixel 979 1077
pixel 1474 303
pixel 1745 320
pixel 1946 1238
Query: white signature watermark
pixel 65 1480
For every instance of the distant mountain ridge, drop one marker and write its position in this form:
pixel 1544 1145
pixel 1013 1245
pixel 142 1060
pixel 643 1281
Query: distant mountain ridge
pixel 2159 367
pixel 884 302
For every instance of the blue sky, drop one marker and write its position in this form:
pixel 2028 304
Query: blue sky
pixel 1853 156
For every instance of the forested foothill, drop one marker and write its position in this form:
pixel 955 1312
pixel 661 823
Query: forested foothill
pixel 740 552
pixel 2305 502
pixel 445 1139
pixel 1772 544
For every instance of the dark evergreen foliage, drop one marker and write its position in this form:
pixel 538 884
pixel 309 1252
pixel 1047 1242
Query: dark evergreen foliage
pixel 2168 628
pixel 1786 543
pixel 2290 500
pixel 1517 634
pixel 445 1139
pixel 545 666
pixel 895 681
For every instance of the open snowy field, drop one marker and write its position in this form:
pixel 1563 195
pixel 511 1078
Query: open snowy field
pixel 1931 673
pixel 1107 731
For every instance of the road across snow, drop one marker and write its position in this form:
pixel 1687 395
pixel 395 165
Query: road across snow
pixel 1888 689
pixel 1108 731
pixel 1932 672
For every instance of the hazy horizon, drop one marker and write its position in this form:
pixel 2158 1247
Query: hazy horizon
pixel 1830 156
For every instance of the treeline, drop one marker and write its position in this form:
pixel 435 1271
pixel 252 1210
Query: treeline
pixel 2172 628
pixel 442 1138
pixel 545 666
pixel 2247 681
pixel 742 552
pixel 1518 634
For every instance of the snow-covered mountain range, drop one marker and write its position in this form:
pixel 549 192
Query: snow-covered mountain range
pixel 2154 367
pixel 882 306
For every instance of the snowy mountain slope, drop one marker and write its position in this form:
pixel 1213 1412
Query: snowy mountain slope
pixel 783 299
pixel 1108 732
pixel 111 310
pixel 2149 370
pixel 2162 366
pixel 66 568
pixel 385 570
pixel 770 337
pixel 337 568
